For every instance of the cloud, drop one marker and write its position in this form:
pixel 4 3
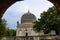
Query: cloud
pixel 23 8
pixel 14 13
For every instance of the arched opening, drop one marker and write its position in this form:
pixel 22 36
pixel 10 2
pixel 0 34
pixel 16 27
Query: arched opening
pixel 26 34
pixel 55 2
pixel 27 9
pixel 19 8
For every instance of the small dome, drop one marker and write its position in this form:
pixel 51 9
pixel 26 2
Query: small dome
pixel 28 17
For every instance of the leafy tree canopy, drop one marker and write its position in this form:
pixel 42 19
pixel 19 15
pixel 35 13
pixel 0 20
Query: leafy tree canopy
pixel 50 20
pixel 5 31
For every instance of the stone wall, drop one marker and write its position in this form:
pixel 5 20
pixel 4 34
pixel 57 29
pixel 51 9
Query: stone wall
pixel 32 38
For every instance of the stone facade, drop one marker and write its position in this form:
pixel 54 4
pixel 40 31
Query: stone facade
pixel 26 25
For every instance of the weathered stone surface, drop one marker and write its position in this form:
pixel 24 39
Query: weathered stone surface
pixel 25 28
pixel 32 38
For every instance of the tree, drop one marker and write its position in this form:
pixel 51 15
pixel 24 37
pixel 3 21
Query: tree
pixel 3 28
pixel 49 21
pixel 11 32
pixel 5 31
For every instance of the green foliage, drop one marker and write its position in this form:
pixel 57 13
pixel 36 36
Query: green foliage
pixel 3 28
pixel 37 27
pixel 5 31
pixel 49 20
pixel 11 32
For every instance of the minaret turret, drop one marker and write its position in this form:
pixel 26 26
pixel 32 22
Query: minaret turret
pixel 17 22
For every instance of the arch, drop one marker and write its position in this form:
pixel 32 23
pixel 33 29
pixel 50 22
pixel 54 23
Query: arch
pixel 7 3
pixel 56 3
pixel 4 5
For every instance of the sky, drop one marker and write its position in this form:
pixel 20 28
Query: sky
pixel 15 11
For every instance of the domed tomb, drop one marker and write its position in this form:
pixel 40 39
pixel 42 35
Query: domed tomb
pixel 28 17
pixel 26 25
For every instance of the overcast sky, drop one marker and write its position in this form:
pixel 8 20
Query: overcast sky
pixel 14 12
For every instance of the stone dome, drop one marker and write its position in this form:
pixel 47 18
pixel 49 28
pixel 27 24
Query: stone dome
pixel 28 17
